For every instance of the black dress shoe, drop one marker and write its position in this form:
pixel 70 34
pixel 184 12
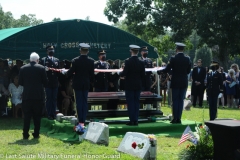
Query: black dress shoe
pixel 173 121
pixel 130 124
pixel 25 136
pixel 178 121
pixel 135 123
pixel 35 136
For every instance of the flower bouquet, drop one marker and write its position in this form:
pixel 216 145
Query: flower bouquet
pixel 79 129
pixel 153 148
pixel 152 140
pixel 202 147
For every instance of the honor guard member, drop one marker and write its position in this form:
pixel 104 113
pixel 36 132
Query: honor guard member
pixel 102 79
pixel 147 82
pixel 180 66
pixel 214 87
pixel 134 73
pixel 51 88
pixel 83 67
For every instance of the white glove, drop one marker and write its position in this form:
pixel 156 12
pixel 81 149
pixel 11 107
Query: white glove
pixel 96 73
pixel 154 71
pixel 220 95
pixel 46 68
pixel 63 71
pixel 113 73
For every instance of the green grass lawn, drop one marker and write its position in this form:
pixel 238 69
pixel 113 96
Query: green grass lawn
pixel 13 147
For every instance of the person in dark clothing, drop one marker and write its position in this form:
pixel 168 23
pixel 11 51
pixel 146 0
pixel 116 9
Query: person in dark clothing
pixel 122 80
pixel 33 78
pixel 102 79
pixel 52 87
pixel 15 70
pixel 134 73
pixel 180 66
pixel 214 87
pixel 147 82
pixel 83 67
pixel 198 77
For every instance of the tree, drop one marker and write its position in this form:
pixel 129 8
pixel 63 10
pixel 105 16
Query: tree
pixel 194 39
pixel 204 53
pixel 216 21
pixel 87 18
pixel 56 19
pixel 6 19
pixel 27 20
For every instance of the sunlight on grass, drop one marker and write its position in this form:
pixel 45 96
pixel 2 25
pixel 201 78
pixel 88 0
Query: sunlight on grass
pixel 167 149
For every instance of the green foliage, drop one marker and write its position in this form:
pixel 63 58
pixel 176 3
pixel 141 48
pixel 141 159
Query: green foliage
pixel 7 20
pixel 56 19
pixel 202 150
pixel 27 20
pixel 204 53
pixel 167 146
pixel 215 21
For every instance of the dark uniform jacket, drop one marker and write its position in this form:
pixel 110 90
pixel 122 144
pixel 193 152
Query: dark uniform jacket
pixel 52 75
pixel 33 77
pixel 134 73
pixel 199 76
pixel 147 81
pixel 102 79
pixel 181 66
pixel 214 83
pixel 83 67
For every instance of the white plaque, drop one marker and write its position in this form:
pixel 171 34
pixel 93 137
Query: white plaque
pixel 97 133
pixel 137 144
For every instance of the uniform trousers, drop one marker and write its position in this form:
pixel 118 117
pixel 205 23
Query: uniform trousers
pixel 32 109
pixel 51 101
pixel 133 98
pixel 212 100
pixel 178 95
pixel 82 105
pixel 198 93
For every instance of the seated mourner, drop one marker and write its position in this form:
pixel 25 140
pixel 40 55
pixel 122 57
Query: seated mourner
pixel 3 94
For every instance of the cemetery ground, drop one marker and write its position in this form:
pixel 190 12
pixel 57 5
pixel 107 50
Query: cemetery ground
pixel 13 147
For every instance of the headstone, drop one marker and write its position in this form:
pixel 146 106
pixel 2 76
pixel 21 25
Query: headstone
pixel 59 117
pixel 187 104
pixel 139 145
pixel 97 133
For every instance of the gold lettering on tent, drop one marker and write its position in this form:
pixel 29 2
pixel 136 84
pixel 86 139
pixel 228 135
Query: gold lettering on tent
pixel 67 45
pixel 44 45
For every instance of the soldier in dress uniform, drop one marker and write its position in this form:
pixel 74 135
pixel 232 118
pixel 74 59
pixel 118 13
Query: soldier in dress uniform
pixel 147 82
pixel 180 66
pixel 51 88
pixel 83 67
pixel 102 79
pixel 214 87
pixel 134 73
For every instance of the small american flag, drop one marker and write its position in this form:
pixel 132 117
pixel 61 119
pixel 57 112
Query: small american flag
pixel 186 135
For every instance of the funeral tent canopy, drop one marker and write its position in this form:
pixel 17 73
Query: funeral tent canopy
pixel 18 43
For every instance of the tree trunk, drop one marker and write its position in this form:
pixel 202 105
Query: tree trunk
pixel 224 56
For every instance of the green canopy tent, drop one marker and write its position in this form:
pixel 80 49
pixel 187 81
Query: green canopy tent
pixel 18 43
